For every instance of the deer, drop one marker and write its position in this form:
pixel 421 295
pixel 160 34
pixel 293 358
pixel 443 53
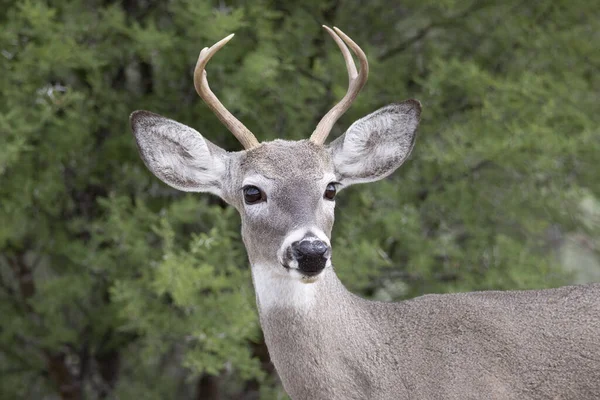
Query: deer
pixel 328 343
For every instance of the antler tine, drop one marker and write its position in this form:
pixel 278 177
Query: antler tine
pixel 356 80
pixel 238 129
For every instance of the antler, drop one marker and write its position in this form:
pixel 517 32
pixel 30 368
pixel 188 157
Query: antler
pixel 238 129
pixel 356 80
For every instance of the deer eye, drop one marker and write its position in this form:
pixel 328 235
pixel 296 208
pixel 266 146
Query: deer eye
pixel 253 195
pixel 330 192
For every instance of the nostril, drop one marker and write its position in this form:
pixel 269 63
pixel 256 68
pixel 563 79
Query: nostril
pixel 296 251
pixel 319 248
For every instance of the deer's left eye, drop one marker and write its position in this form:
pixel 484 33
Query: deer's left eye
pixel 253 195
pixel 330 192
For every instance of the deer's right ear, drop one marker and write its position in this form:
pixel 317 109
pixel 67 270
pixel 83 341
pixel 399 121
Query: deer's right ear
pixel 177 154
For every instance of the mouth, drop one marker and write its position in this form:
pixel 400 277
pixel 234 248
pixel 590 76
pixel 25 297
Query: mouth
pixel 305 276
pixel 310 274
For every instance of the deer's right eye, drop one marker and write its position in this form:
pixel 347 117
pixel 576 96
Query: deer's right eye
pixel 253 195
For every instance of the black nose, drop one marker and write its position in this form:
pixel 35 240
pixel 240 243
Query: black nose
pixel 311 256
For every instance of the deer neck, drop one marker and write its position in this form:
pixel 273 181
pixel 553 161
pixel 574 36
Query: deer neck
pixel 312 331
pixel 288 305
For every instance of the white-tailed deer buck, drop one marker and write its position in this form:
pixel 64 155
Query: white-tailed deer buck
pixel 327 343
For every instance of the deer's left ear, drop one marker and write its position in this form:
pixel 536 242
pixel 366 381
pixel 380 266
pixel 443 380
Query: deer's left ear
pixel 376 145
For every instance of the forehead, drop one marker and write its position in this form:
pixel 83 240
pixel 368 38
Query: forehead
pixel 286 159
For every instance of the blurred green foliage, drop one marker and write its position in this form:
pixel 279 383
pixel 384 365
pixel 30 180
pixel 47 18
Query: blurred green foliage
pixel 113 285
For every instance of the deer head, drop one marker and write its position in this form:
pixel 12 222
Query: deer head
pixel 284 190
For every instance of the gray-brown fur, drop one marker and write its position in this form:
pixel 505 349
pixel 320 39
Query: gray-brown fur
pixel 484 345
pixel 327 343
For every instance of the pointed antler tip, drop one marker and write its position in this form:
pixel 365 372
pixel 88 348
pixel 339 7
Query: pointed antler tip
pixel 341 33
pixel 238 129
pixel 226 39
pixel 222 42
pixel 356 81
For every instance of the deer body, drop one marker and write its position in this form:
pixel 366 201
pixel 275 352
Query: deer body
pixel 327 343
pixel 483 345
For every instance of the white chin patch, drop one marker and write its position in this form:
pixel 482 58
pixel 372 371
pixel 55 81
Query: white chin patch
pixel 290 289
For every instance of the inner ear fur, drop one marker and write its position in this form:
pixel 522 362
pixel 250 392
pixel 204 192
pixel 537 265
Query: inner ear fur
pixel 376 145
pixel 177 154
